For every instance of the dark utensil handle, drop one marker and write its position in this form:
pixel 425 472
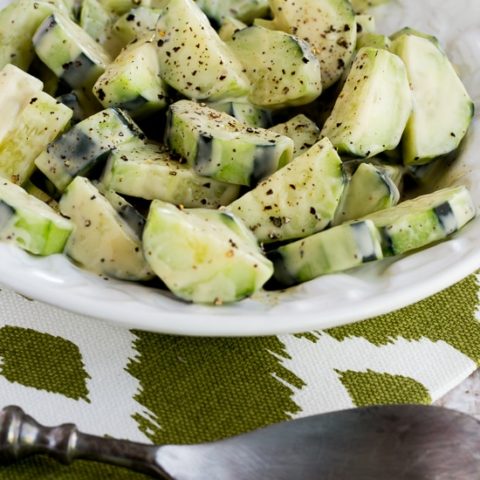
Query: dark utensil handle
pixel 22 436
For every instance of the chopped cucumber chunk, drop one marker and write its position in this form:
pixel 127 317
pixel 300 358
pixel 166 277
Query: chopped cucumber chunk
pixel 69 51
pixel 102 240
pixel 193 58
pixel 442 110
pixel 298 200
pixel 373 108
pixel 373 40
pixel 335 250
pixel 424 220
pixel 86 145
pixel 18 88
pixel 150 172
pixel 283 72
pixel 329 26
pixel 218 146
pixel 38 124
pixel 30 223
pixel 301 130
pixel 132 82
pixel 369 190
pixel 204 256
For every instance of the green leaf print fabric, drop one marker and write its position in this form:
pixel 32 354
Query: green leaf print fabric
pixel 61 367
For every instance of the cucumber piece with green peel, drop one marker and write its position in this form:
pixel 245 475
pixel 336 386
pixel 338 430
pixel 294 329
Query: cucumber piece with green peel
pixel 18 88
pixel 373 40
pixel 150 172
pixel 136 24
pixel 443 110
pixel 204 256
pixel 86 145
pixel 369 190
pixel 424 220
pixel 229 27
pixel 335 250
pixel 283 72
pixel 35 127
pixel 132 81
pixel 373 107
pixel 303 131
pixel 193 59
pixel 132 217
pixel 243 10
pixel 29 223
pixel 219 146
pixel 296 201
pixel 329 26
pixel 69 51
pixel 245 113
pixel 102 240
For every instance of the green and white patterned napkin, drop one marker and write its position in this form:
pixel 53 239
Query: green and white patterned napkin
pixel 62 367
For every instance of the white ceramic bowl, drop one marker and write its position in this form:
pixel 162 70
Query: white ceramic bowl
pixel 326 302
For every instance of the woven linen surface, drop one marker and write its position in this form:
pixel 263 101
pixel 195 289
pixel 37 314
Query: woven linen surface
pixel 62 367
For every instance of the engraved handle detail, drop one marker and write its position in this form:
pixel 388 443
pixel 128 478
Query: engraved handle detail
pixel 22 436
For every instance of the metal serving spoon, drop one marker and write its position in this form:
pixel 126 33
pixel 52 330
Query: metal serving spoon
pixel 392 442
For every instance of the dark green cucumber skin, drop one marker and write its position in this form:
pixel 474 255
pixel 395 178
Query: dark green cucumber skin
pixel 446 217
pixel 42 182
pixel 282 276
pixel 133 218
pixel 82 152
pixel 71 101
pixel 361 230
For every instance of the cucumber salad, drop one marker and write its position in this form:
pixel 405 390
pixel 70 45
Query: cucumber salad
pixel 218 147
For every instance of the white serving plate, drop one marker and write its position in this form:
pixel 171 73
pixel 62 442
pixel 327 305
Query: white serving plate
pixel 326 302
